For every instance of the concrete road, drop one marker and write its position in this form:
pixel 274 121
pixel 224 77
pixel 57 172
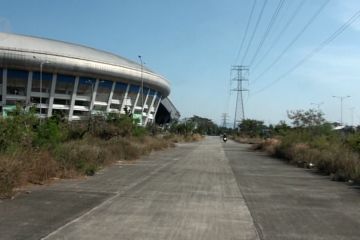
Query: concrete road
pixel 287 202
pixel 189 192
pixel 207 190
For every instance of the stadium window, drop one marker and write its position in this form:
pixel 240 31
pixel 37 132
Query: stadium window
pixel 37 100
pixel 100 108
pixel 64 84
pixel 115 106
pixel 17 82
pixel 133 92
pixel 82 103
pixel 1 80
pixel 86 86
pixel 120 90
pixel 80 113
pixel 61 101
pixel 103 90
pixel 46 82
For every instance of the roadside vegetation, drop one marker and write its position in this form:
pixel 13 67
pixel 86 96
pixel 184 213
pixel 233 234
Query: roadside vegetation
pixel 311 142
pixel 37 152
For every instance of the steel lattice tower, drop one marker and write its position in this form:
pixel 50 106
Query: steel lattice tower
pixel 239 72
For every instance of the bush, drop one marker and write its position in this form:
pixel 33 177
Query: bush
pixel 77 130
pixel 79 157
pixel 124 124
pixel 139 132
pixel 17 131
pixel 353 141
pixel 49 134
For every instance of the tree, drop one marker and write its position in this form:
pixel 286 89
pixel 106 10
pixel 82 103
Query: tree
pixel 281 128
pixel 305 119
pixel 204 126
pixel 252 128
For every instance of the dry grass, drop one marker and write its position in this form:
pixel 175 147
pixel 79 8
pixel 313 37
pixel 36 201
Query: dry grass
pixel 268 145
pixel 196 137
pixel 172 138
pixel 10 171
pixel 247 140
pixel 19 169
pixel 339 162
pixel 38 167
pixel 76 158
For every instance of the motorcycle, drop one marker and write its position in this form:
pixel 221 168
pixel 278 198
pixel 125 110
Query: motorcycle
pixel 224 138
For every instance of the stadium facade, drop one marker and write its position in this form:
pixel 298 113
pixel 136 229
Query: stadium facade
pixel 75 81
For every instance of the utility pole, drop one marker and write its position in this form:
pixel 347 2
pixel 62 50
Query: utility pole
pixel 142 87
pixel 224 117
pixel 341 98
pixel 239 77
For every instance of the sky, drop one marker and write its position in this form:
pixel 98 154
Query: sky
pixel 194 44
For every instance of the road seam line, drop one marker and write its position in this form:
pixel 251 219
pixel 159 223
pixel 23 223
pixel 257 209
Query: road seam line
pixel 258 230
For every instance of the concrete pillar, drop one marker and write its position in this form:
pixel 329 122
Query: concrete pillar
pixel 136 100
pixel 110 96
pixel 151 105
pixel 143 120
pixel 125 98
pixel 52 94
pixel 146 98
pixel 28 90
pixel 93 96
pixel 73 97
pixel 157 107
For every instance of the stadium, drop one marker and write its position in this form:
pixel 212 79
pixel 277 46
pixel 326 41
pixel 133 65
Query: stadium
pixel 77 82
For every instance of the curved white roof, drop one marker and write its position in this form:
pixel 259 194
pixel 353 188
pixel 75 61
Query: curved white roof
pixel 75 58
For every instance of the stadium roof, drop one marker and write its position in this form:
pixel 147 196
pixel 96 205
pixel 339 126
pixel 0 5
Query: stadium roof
pixel 16 49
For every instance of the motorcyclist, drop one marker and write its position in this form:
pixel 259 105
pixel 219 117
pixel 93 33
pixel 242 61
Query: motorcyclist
pixel 224 138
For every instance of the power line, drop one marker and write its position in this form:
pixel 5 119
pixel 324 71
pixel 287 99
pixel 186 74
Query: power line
pixel 246 31
pixel 268 29
pixel 293 41
pixel 255 29
pixel 323 44
pixel 281 33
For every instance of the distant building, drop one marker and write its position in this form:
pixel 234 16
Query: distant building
pixel 75 81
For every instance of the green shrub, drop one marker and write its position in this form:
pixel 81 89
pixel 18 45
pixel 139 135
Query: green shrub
pixel 139 131
pixel 49 134
pixel 124 124
pixel 17 130
pixel 353 141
